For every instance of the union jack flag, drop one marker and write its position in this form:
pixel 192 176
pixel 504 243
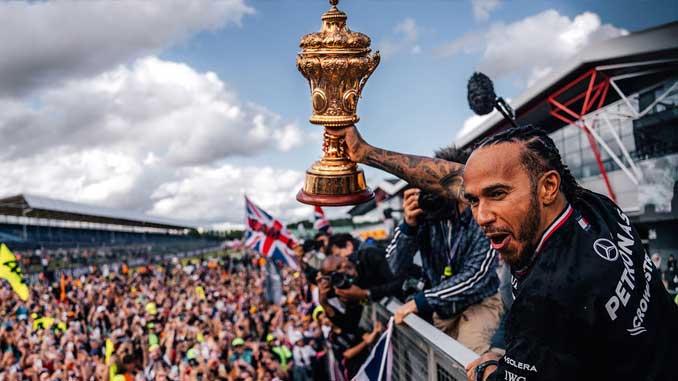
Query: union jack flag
pixel 321 224
pixel 269 236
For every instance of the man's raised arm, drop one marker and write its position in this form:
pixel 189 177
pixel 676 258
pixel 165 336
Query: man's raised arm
pixel 434 175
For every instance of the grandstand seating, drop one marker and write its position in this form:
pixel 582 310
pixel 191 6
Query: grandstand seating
pixel 8 237
pixel 75 236
pixel 55 237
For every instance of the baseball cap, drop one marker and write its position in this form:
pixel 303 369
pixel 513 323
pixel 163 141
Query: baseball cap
pixel 237 341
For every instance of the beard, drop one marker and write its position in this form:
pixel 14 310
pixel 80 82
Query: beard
pixel 529 228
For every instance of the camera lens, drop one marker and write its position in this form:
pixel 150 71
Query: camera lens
pixel 434 206
pixel 340 280
pixel 429 202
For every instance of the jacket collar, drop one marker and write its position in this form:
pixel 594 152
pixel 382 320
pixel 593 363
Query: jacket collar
pixel 555 225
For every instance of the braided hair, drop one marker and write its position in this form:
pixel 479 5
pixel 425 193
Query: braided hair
pixel 539 156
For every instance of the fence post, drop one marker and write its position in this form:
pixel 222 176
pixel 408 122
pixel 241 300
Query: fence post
pixel 431 357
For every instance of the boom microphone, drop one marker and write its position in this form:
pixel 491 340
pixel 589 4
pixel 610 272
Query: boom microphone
pixel 482 99
pixel 481 96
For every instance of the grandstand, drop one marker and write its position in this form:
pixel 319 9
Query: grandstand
pixel 43 225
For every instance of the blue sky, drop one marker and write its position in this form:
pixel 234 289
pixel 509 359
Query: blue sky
pixel 414 102
pixel 180 108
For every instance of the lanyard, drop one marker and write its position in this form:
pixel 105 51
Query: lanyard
pixel 453 248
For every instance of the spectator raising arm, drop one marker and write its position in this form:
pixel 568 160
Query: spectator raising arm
pixel 404 246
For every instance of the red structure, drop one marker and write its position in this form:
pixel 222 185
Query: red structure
pixel 564 103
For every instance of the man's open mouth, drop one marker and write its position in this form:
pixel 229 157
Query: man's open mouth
pixel 499 241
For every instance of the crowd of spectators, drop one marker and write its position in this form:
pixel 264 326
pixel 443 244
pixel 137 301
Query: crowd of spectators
pixel 216 319
pixel 199 321
pixel 204 320
pixel 75 257
pixel 212 319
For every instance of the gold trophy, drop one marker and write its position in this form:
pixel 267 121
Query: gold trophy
pixel 337 63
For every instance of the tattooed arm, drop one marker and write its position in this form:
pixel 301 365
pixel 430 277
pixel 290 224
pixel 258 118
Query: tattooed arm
pixel 434 175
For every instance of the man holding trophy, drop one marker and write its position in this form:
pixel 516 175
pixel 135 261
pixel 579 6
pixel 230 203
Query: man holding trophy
pixel 567 321
pixel 576 315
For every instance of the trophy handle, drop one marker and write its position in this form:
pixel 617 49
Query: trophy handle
pixel 374 62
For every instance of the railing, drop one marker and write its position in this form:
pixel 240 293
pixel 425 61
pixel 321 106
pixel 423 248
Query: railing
pixel 421 351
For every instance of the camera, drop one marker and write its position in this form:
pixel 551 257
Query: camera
pixel 340 280
pixel 435 207
pixel 413 285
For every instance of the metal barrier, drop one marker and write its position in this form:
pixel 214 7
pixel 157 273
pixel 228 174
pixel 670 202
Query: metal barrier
pixel 420 350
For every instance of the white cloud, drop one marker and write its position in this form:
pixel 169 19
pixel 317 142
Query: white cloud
pixel 153 128
pixel 483 8
pixel 405 37
pixel 167 109
pixel 408 29
pixel 471 123
pixel 89 114
pixel 92 175
pixel 472 42
pixel 210 193
pixel 48 42
pixel 532 47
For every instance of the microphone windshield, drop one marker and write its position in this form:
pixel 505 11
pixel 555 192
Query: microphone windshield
pixel 481 96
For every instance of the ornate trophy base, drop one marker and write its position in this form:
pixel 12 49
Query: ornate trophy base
pixel 334 180
pixel 328 190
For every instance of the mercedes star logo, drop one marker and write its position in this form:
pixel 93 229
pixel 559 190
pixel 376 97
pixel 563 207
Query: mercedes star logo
pixel 606 249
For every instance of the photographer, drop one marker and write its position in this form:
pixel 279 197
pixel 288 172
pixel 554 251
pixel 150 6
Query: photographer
pixel 458 264
pixel 374 280
pixel 349 343
pixel 338 274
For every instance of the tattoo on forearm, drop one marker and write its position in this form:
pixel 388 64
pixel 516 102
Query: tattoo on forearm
pixel 435 175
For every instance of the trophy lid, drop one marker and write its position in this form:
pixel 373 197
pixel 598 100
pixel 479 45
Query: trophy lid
pixel 334 36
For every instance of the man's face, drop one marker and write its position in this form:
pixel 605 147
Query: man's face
pixel 503 200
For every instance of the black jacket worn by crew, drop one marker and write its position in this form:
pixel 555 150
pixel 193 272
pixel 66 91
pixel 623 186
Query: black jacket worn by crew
pixel 591 306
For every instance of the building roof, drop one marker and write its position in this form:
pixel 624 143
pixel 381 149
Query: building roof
pixel 392 186
pixel 42 207
pixel 651 50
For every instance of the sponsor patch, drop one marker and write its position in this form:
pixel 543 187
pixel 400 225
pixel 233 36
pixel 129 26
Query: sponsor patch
pixel 510 376
pixel 520 365
pixel 606 249
pixel 583 224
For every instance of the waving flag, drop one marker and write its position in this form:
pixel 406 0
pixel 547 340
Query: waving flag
pixel 269 236
pixel 11 271
pixel 378 365
pixel 273 289
pixel 321 224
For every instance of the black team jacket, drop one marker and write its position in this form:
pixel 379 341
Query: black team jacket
pixel 591 305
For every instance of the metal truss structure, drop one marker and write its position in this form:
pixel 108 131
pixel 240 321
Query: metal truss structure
pixel 585 109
